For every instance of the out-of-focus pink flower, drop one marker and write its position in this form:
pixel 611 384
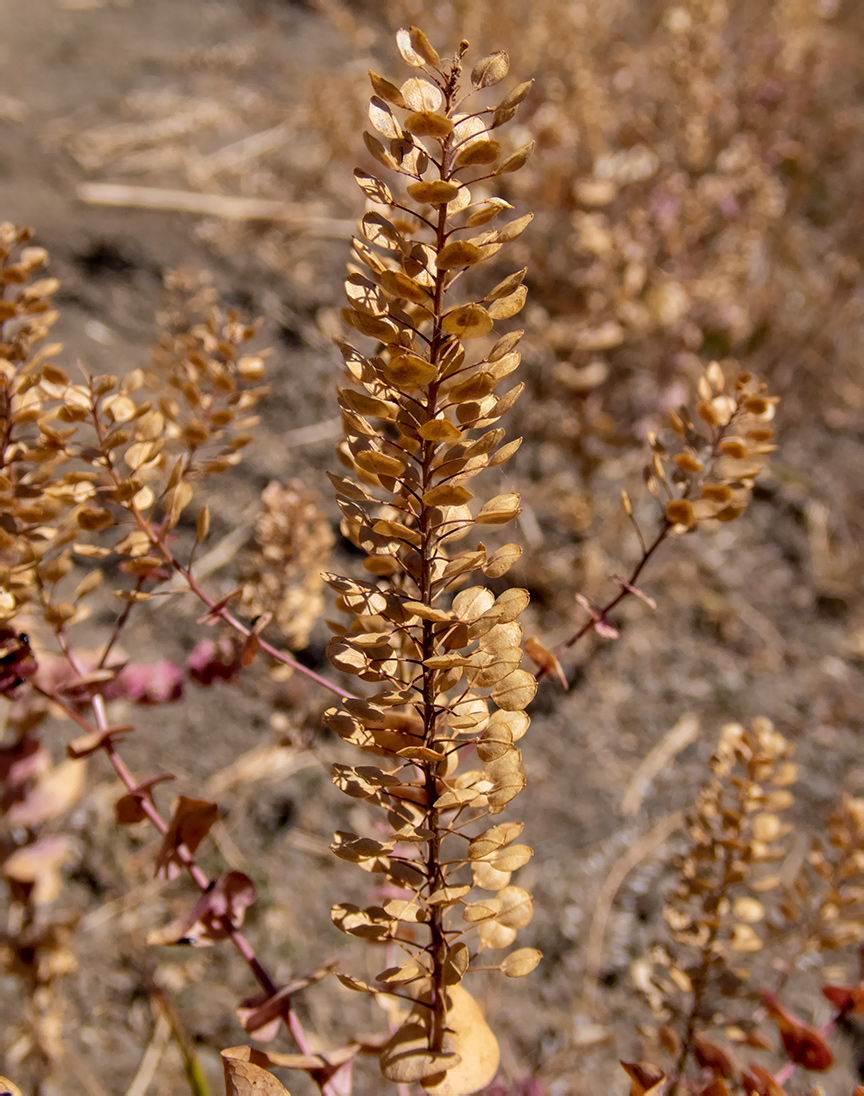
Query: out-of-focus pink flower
pixel 215 660
pixel 147 683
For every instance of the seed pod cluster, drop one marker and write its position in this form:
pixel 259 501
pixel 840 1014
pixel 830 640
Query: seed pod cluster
pixel 710 473
pixel 39 485
pixel 80 455
pixel 718 911
pixel 440 650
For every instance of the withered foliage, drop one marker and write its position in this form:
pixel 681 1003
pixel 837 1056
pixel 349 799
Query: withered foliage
pixel 421 416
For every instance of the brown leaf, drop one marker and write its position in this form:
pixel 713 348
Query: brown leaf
pixel 761 1083
pixel 210 919
pixel 128 809
pixel 190 824
pixel 544 660
pixel 54 793
pixel 711 1056
pixel 845 998
pixel 33 871
pixel 645 1079
pixel 244 1078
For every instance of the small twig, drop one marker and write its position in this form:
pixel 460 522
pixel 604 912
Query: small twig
pixel 152 1057
pixel 670 745
pixel 624 592
pixel 228 207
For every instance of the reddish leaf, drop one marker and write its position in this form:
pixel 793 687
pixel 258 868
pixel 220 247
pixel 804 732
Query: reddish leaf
pixel 804 1045
pixel 261 1015
pixel 711 1056
pixel 250 649
pixel 214 914
pixel 20 765
pixel 845 998
pixel 757 1041
pixel 128 809
pixel 213 615
pixel 544 660
pixel 147 683
pixel 761 1083
pixel 636 592
pixel 253 643
pixel 190 824
pixel 215 661
pixel 603 625
pixel 645 1079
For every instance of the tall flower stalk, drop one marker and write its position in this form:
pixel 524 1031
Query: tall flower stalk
pixel 441 652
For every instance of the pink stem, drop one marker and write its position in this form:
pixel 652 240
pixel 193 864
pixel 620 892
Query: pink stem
pixel 149 808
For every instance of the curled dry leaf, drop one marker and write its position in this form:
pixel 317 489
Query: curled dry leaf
pixel 190 824
pixel 645 1078
pixel 544 660
pixel 128 809
pixel 243 1077
pixel 33 871
pixel 469 1060
pixel 90 743
pixel 213 916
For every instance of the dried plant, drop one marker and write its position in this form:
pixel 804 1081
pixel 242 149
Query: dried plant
pixel 742 925
pixel 100 474
pixel 420 419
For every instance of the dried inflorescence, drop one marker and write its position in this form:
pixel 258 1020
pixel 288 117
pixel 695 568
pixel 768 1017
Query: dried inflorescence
pixel 711 475
pixel 742 920
pixel 293 541
pixel 822 909
pixel 716 911
pixel 421 420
